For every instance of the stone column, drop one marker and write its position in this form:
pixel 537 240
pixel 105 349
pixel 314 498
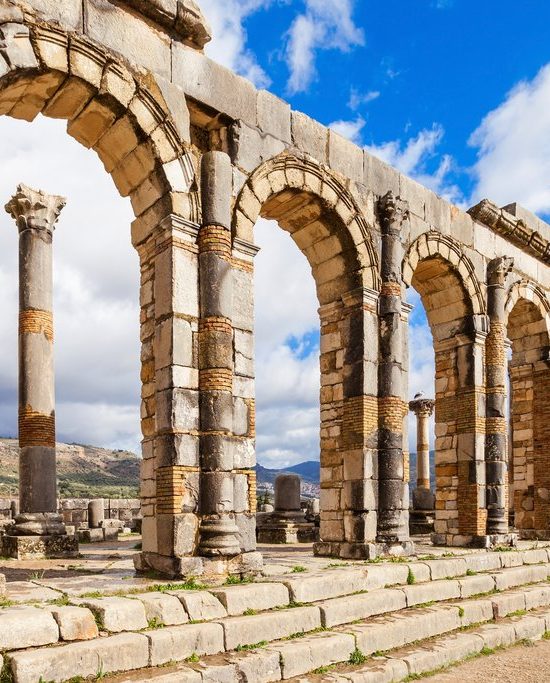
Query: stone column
pixel 219 534
pixel 392 407
pixel 36 214
pixel 496 454
pixel 423 408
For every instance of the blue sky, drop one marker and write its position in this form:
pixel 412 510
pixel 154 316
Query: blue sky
pixel 455 93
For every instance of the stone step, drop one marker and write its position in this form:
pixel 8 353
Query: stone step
pixel 295 636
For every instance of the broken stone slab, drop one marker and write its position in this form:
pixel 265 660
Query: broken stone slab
pixel 75 623
pixel 270 626
pixel 309 653
pixel 176 643
pixel 164 609
pixel 345 610
pixel 200 605
pixel 257 665
pixel 22 627
pixel 475 611
pixel 122 652
pixel 116 614
pixel 255 596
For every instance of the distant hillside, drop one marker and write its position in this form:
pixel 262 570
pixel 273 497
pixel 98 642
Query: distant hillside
pixel 309 471
pixel 82 471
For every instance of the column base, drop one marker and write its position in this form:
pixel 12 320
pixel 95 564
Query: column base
pixel 363 551
pixel 421 522
pixel 483 541
pixel 39 547
pixel 290 532
pixel 38 524
pixel 208 570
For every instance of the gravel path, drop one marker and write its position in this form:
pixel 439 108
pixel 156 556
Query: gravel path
pixel 519 664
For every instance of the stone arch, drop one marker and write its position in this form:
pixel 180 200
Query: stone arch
pixel 324 219
pixel 437 268
pixel 328 226
pixel 434 245
pixel 528 329
pixel 109 106
pixel 138 126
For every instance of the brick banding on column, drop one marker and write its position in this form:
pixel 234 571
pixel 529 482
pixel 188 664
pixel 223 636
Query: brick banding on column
pixel 33 321
pixel 36 429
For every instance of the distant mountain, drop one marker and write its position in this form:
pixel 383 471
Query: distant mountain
pixel 309 471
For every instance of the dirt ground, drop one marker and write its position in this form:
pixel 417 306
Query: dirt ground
pixel 519 664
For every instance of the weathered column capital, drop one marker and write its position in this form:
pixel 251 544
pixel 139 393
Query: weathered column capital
pixel 422 406
pixel 392 212
pixel 34 209
pixel 498 269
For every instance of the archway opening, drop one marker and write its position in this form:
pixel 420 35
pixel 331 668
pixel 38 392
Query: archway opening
pixel 529 378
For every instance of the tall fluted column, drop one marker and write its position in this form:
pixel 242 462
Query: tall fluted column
pixel 219 534
pixel 36 214
pixel 392 407
pixel 423 408
pixel 496 455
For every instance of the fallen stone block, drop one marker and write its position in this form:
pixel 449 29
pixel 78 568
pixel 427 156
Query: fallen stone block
pixel 200 605
pixel 344 611
pixel 255 596
pixel 75 623
pixel 309 653
pixel 22 627
pixel 162 609
pixel 116 614
pixel 122 652
pixel 176 643
pixel 269 626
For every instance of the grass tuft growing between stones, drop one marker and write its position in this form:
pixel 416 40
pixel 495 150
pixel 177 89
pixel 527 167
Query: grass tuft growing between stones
pixel 411 579
pixel 237 580
pixel 155 623
pixel 357 657
pixel 63 601
pixel 5 602
pixel 471 572
pixel 189 585
pixel 6 675
pixel 250 612
pixel 193 659
pixel 254 646
pixel 298 569
pixel 337 565
pixel 461 612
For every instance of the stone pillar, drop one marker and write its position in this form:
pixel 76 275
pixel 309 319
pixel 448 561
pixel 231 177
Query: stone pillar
pixel 393 492
pixel 219 534
pixel 96 513
pixel 423 408
pixel 36 214
pixel 496 454
pixel 287 493
pixel 287 524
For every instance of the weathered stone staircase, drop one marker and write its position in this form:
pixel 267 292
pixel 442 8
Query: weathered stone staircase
pixel 372 622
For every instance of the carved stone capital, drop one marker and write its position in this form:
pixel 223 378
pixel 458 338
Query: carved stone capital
pixel 392 212
pixel 191 24
pixel 422 406
pixel 498 269
pixel 35 209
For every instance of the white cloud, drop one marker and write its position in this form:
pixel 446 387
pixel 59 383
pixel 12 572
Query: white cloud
pixel 325 25
pixel 228 46
pixel 350 129
pixel 514 147
pixel 357 99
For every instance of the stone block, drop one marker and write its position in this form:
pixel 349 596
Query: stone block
pixel 381 575
pixel 307 654
pixel 446 567
pixel 176 643
pixel 345 610
pixel 534 556
pixel 162 608
pixel 309 136
pixel 260 665
pixel 483 562
pixel 529 628
pixel 474 585
pixel 475 611
pixel 123 652
pixel 117 614
pixel 431 592
pixel 256 596
pixel 519 576
pixel 345 157
pixel 381 670
pixel 505 604
pixel 451 649
pixel 22 627
pixel 75 623
pixel 176 283
pixel 497 635
pixel 206 81
pixel 200 605
pixel 536 596
pixel 269 626
pixel 322 586
pixel 273 116
pixel 126 34
pixel 379 177
pixel 68 13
